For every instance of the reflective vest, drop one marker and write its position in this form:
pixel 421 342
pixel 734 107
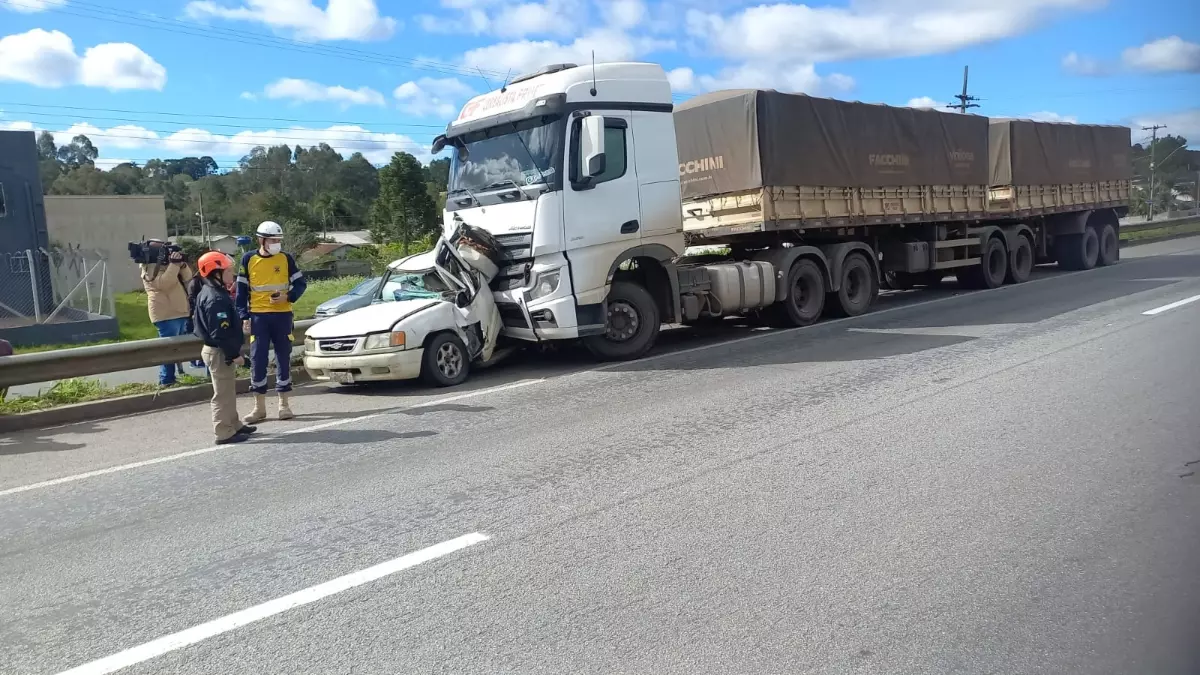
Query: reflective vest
pixel 264 275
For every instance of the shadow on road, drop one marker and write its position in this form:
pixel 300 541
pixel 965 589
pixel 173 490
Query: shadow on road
pixel 43 440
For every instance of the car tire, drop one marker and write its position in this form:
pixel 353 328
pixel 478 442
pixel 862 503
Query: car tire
pixel 445 362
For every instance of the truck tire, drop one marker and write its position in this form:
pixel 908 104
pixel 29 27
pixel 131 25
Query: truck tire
pixel 805 297
pixel 631 325
pixel 858 289
pixel 991 270
pixel 445 362
pixel 1020 261
pixel 1077 252
pixel 1110 246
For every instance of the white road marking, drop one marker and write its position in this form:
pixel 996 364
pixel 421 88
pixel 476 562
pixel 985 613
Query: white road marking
pixel 1173 305
pixel 191 636
pixel 203 451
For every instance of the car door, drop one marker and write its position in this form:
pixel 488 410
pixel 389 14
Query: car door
pixel 479 308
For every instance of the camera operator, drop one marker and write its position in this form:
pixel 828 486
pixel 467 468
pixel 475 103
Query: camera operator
pixel 166 283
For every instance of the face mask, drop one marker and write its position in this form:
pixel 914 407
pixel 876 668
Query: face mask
pixel 274 247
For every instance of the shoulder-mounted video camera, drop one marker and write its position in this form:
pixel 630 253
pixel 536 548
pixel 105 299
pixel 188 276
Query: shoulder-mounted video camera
pixel 153 252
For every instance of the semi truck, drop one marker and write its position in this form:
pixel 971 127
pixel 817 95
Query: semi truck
pixel 591 190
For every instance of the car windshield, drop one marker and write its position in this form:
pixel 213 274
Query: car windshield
pixel 524 153
pixel 407 285
pixel 365 287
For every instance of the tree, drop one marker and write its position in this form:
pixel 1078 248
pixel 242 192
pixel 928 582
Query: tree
pixel 46 147
pixel 1173 164
pixel 404 211
pixel 79 153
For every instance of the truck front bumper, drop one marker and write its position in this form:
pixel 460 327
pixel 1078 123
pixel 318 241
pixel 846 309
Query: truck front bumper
pixel 401 365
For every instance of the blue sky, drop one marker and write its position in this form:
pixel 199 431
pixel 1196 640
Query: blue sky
pixel 161 78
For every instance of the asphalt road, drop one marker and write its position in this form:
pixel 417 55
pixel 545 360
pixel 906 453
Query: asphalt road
pixel 1004 481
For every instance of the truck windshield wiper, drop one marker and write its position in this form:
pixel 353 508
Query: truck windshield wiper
pixel 467 191
pixel 505 183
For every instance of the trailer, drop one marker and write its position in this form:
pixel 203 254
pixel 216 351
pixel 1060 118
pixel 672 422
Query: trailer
pixel 596 189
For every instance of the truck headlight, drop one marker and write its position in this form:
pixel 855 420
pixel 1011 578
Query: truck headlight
pixel 384 340
pixel 544 284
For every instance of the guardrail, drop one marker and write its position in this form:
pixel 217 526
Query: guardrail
pixel 97 360
pixel 62 364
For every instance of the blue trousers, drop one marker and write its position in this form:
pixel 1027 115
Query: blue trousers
pixel 271 330
pixel 170 328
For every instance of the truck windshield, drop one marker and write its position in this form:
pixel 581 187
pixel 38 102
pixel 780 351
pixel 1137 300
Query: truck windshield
pixel 519 154
pixel 428 285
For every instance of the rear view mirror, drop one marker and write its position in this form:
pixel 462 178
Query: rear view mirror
pixel 592 160
pixel 439 144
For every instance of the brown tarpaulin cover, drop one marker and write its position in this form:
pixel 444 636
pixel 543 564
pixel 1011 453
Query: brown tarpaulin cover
pixel 738 140
pixel 1023 152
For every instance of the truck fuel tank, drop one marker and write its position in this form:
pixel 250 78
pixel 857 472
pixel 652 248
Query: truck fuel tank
pixel 742 285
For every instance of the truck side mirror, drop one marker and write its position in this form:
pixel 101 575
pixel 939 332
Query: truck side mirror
pixel 592 160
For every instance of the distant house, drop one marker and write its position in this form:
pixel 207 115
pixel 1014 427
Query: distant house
pixel 333 251
pixel 355 238
pixel 225 243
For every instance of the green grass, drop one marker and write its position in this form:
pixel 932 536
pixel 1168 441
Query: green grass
pixel 81 390
pixel 1166 231
pixel 133 318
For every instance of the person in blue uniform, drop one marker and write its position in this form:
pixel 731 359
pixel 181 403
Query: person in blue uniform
pixel 268 283
pixel 215 322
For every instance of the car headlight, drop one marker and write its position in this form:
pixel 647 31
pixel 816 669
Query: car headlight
pixel 384 340
pixel 544 284
pixel 310 345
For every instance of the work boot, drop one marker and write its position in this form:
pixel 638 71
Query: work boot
pixel 285 410
pixel 236 438
pixel 259 413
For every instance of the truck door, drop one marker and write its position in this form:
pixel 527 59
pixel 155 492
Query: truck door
pixel 602 217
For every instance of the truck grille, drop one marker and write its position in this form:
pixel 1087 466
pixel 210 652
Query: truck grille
pixel 337 346
pixel 511 315
pixel 517 251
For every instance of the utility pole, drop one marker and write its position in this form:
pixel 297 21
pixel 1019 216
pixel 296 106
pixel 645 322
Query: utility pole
pixel 203 229
pixel 1153 142
pixel 965 100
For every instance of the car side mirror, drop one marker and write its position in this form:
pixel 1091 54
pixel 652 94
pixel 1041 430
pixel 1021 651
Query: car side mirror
pixel 462 299
pixel 592 159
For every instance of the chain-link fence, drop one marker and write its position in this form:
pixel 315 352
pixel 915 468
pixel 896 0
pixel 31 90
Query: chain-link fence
pixel 56 285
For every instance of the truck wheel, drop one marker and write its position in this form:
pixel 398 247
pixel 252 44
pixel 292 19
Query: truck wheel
pixel 1020 261
pixel 1077 251
pixel 805 299
pixel 1110 246
pixel 631 327
pixel 992 267
pixel 858 289
pixel 445 363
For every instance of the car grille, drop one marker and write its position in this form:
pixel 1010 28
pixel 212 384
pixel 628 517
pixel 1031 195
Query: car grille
pixel 511 315
pixel 337 346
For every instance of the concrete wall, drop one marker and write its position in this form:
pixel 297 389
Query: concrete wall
pixel 108 223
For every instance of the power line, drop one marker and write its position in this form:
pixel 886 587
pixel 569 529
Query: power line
pixel 218 124
pixel 1153 143
pixel 965 100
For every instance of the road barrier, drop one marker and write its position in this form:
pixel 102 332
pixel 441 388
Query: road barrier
pixel 97 360
pixel 62 364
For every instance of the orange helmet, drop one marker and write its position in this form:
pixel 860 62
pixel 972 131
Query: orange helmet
pixel 213 261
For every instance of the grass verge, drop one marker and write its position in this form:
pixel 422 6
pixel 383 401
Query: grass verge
pixel 81 390
pixel 1158 232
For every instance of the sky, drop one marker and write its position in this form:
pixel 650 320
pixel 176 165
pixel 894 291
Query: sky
pixel 169 78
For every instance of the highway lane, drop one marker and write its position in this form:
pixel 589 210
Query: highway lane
pixel 990 482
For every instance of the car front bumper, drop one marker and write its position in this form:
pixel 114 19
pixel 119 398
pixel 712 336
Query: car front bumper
pixel 352 368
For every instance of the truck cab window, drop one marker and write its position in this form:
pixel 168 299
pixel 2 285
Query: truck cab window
pixel 615 149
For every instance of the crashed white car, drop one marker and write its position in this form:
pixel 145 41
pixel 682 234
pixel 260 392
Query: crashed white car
pixel 432 317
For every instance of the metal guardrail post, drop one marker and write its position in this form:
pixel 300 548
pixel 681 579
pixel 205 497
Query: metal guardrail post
pixel 37 302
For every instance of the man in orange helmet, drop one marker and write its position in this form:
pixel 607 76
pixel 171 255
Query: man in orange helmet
pixel 217 324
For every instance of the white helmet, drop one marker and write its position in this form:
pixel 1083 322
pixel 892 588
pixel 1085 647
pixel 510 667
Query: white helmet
pixel 269 228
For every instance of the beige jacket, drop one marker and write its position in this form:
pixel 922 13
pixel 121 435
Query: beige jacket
pixel 166 292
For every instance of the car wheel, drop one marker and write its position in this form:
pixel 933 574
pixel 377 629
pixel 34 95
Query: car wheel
pixel 445 363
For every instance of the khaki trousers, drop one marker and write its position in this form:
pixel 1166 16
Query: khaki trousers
pixel 224 401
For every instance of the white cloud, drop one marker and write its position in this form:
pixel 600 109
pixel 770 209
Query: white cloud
pixel 1168 55
pixel 801 78
pixel 923 102
pixel 559 18
pixel 31 6
pixel 1184 123
pixel 134 140
pixel 625 14
pixel 1049 116
pixel 527 55
pixel 48 59
pixel 307 91
pixel 869 29
pixel 1084 65
pixel 432 97
pixel 340 20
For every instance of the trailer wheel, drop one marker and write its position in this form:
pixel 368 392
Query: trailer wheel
pixel 445 362
pixel 631 325
pixel 1020 261
pixel 858 289
pixel 1077 252
pixel 1110 246
pixel 992 267
pixel 805 299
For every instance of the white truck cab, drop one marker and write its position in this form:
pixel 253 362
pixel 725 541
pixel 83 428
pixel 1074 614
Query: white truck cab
pixel 432 317
pixel 573 171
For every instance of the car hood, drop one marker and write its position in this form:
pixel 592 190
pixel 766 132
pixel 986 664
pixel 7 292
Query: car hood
pixel 370 319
